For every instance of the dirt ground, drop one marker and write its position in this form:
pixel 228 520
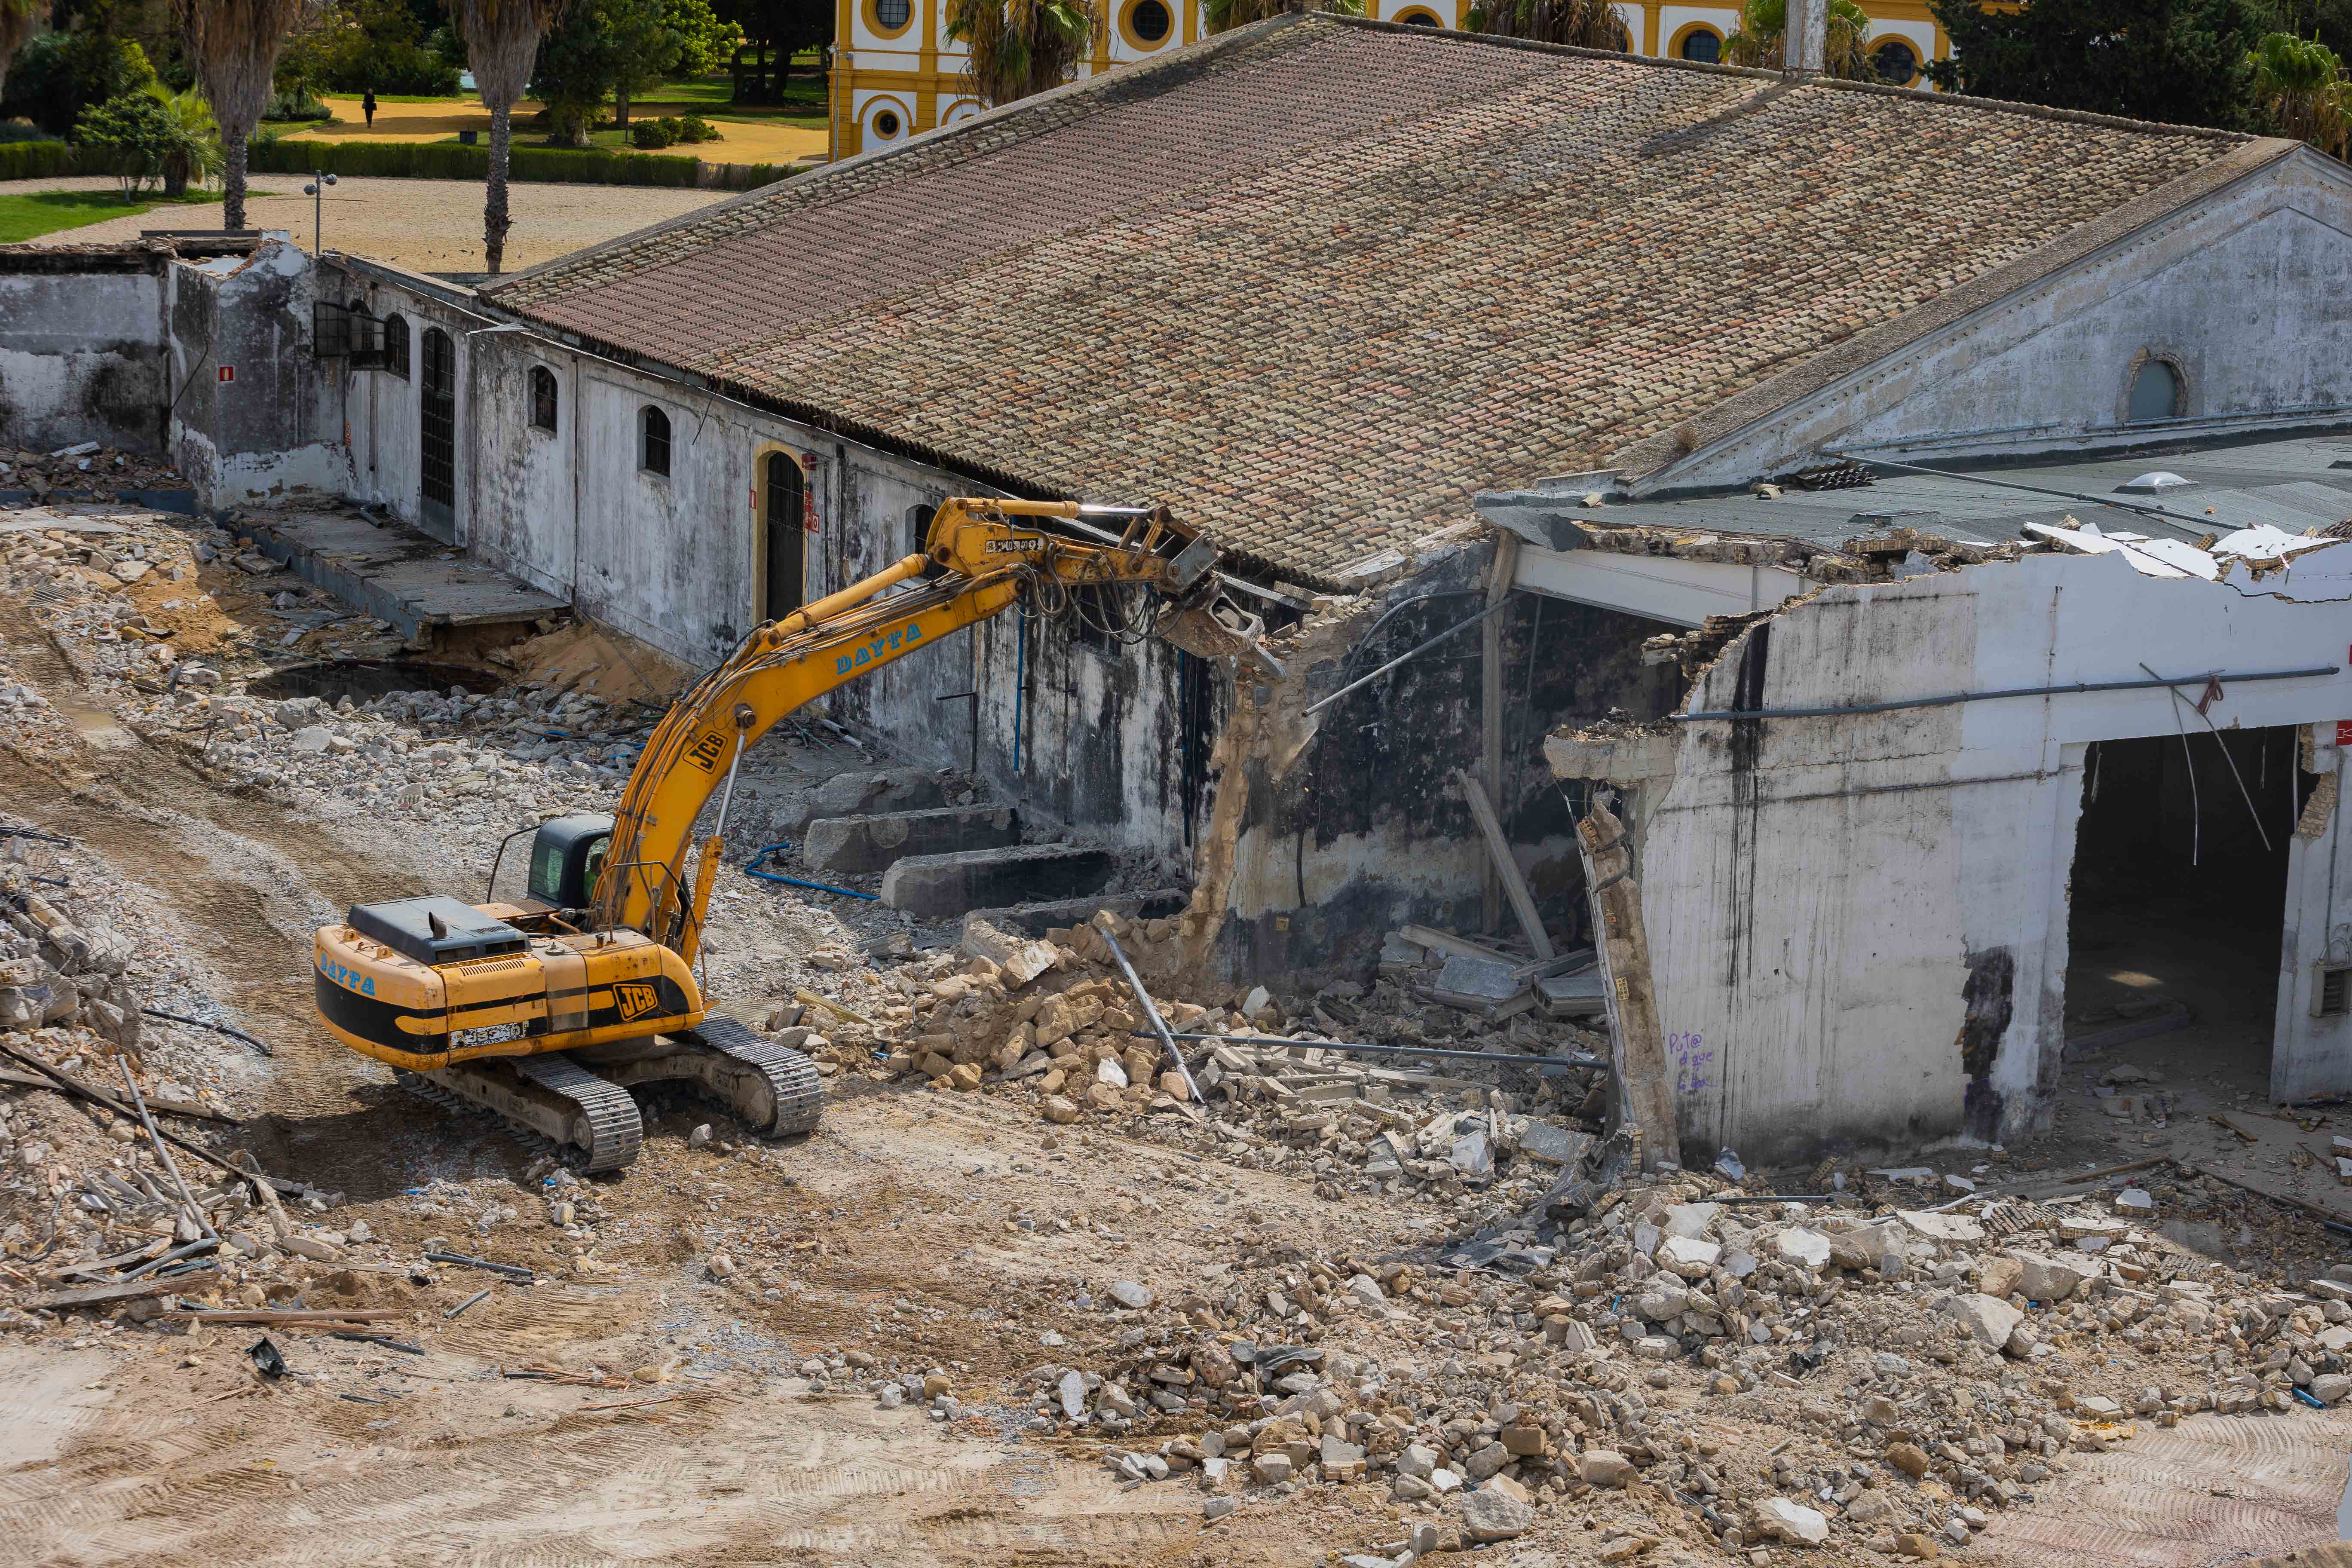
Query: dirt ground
pixel 695 1385
pixel 427 225
pixel 755 140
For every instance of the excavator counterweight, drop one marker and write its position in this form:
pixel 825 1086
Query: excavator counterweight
pixel 545 1013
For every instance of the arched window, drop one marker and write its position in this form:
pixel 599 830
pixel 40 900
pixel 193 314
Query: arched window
pixel 1897 62
pixel 395 345
pixel 1702 45
pixel 542 397
pixel 918 527
pixel 2155 391
pixel 653 441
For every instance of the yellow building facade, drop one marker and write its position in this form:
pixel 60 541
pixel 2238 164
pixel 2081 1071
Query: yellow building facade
pixel 896 74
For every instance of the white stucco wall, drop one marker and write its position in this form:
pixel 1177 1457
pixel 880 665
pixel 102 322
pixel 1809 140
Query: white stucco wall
pixel 2249 292
pixel 83 354
pixel 1813 914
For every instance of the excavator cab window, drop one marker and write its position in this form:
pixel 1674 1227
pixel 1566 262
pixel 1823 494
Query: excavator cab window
pixel 566 858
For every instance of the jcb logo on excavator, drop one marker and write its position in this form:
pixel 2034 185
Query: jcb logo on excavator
pixel 906 636
pixel 635 1001
pixel 709 747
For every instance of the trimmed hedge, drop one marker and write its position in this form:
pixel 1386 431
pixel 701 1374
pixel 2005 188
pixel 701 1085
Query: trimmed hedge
pixel 450 161
pixel 421 161
pixel 44 160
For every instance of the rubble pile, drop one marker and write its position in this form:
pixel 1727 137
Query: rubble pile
pixel 86 471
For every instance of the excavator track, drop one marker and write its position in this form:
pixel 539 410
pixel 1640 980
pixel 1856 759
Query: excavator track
pixel 557 1104
pixel 783 1093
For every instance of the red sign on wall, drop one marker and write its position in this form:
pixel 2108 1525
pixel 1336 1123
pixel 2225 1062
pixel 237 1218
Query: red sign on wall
pixel 228 372
pixel 2344 731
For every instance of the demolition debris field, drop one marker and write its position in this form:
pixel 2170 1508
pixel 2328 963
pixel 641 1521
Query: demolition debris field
pixel 1021 1297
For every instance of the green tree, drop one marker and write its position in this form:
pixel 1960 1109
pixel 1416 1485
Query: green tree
pixel 1016 48
pixel 1586 24
pixel 1764 24
pixel 2183 61
pixel 602 48
pixel 706 40
pixel 233 46
pixel 386 45
pixel 155 136
pixel 2301 83
pixel 59 75
pixel 777 30
pixel 502 39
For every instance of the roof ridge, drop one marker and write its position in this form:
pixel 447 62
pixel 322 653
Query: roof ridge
pixel 1910 94
pixel 1113 87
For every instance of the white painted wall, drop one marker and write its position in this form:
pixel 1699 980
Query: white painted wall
pixel 1812 918
pixel 83 355
pixel 2250 292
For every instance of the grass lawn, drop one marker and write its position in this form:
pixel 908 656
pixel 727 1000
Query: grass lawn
pixel 27 217
pixel 806 95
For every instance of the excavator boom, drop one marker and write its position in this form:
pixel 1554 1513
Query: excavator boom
pixel 506 1009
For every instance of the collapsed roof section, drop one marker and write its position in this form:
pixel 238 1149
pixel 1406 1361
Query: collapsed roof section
pixel 2264 519
pixel 1325 279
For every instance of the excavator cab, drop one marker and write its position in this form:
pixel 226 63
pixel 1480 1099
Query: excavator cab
pixel 566 858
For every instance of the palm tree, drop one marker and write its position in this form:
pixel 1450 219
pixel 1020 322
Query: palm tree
pixel 193 151
pixel 17 20
pixel 1225 14
pixel 1587 24
pixel 2301 81
pixel 234 46
pixel 502 43
pixel 1016 47
pixel 1845 51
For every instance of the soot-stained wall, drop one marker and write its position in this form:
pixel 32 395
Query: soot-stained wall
pixel 84 350
pixel 1349 823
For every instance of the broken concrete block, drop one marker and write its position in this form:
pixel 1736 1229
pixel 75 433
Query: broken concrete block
pixel 1605 1468
pixel 1691 1219
pixel 849 794
pixel 1489 1515
pixel 2041 1278
pixel 1807 1248
pixel 1989 1319
pixel 856 844
pixel 939 887
pixel 1679 1250
pixel 1791 1522
pixel 1549 1144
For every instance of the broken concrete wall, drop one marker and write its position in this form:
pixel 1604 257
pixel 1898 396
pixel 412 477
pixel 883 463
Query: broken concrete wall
pixel 1859 923
pixel 84 348
pixel 260 417
pixel 1344 826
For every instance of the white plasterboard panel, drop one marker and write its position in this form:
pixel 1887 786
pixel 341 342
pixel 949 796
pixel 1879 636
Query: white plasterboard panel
pixel 1659 587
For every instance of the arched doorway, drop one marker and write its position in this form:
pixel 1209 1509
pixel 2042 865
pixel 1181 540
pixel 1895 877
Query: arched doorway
pixel 785 585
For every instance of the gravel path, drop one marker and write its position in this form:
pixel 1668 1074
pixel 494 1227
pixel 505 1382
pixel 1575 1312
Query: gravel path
pixel 430 225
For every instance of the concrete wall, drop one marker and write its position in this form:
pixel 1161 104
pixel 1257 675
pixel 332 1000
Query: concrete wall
pixel 1823 894
pixel 83 350
pixel 2247 294
pixel 272 430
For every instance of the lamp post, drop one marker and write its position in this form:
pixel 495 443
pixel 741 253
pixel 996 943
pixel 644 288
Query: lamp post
pixel 316 191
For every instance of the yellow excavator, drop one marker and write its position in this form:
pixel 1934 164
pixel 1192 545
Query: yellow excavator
pixel 544 1013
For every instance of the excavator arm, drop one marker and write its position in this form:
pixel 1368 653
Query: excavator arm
pixel 981 558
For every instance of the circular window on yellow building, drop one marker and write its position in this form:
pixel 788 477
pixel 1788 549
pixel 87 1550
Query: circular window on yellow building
pixel 1146 24
pixel 1697 42
pixel 1896 61
pixel 888 18
pixel 886 124
pixel 1418 17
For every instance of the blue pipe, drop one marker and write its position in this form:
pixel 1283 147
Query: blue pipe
pixel 751 869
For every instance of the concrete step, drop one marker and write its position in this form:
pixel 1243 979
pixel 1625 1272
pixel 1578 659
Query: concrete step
pixel 943 887
pixel 842 844
pixel 1036 920
pixel 849 794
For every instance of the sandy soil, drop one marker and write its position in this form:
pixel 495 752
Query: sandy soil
pixel 430 225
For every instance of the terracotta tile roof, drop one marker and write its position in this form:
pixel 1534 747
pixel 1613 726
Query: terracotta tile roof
pixel 1317 282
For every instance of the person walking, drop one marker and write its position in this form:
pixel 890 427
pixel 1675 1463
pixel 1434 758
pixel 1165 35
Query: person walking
pixel 367 107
